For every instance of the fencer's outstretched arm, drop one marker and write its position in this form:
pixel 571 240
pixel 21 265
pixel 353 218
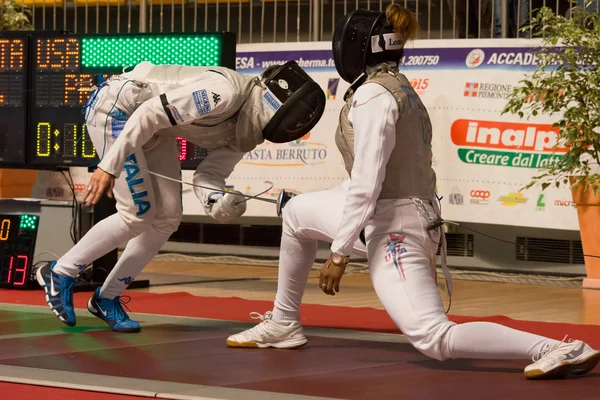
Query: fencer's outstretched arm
pixel 374 114
pixel 214 170
pixel 191 102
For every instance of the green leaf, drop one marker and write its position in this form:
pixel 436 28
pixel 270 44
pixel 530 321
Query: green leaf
pixel 569 79
pixel 14 16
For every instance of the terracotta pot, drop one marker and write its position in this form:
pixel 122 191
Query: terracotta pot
pixel 16 182
pixel 588 213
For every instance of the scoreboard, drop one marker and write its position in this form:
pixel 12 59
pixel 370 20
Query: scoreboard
pixel 47 75
pixel 14 51
pixel 57 134
pixel 17 243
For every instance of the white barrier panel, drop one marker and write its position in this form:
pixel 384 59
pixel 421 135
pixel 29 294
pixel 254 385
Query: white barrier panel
pixel 482 158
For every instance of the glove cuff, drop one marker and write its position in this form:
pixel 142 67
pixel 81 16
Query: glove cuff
pixel 213 197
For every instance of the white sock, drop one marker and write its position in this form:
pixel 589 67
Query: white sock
pixel 296 258
pixel 485 340
pixel 105 236
pixel 137 254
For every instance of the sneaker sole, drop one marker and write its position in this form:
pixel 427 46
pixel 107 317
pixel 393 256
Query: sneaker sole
pixel 567 369
pixel 40 280
pixel 287 344
pixel 97 315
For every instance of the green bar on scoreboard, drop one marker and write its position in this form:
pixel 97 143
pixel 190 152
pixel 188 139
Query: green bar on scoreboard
pixel 109 53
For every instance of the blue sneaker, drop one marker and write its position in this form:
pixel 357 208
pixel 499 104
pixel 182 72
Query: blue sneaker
pixel 59 292
pixel 111 312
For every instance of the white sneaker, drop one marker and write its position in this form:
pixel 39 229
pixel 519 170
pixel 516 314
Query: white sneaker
pixel 269 333
pixel 563 360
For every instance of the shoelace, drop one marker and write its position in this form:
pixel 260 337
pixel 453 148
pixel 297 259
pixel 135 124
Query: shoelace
pixel 550 349
pixel 265 319
pixel 68 290
pixel 118 304
pixel 64 288
pixel 268 316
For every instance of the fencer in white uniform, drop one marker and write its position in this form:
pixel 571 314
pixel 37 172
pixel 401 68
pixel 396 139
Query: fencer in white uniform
pixel 134 120
pixel 385 139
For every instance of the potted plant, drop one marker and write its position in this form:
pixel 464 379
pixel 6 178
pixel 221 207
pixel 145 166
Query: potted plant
pixel 14 17
pixel 566 86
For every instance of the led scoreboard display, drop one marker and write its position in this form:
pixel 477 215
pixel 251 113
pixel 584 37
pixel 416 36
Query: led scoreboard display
pixel 14 62
pixel 17 243
pixel 63 67
pixel 57 132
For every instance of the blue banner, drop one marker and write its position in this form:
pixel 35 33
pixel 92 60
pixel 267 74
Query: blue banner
pixel 455 58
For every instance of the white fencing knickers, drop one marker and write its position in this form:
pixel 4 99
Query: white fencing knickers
pixel 149 208
pixel 401 258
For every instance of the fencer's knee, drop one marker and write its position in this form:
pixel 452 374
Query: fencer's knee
pixel 164 225
pixel 289 214
pixel 167 226
pixel 139 225
pixel 434 343
pixel 295 213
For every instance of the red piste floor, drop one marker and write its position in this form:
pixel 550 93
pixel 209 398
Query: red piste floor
pixel 183 355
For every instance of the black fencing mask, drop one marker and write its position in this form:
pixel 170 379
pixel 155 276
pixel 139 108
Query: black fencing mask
pixel 296 101
pixel 361 37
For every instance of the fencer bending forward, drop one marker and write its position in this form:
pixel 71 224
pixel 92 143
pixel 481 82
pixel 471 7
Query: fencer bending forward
pixel 134 120
pixel 384 136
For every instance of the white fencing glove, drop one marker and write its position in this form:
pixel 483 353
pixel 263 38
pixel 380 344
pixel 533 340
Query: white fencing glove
pixel 224 207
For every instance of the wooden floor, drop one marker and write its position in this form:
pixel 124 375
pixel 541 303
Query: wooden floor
pixel 526 302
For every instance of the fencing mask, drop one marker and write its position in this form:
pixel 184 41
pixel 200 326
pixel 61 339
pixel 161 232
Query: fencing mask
pixel 284 104
pixel 361 38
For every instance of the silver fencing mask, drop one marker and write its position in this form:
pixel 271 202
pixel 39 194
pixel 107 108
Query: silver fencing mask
pixel 361 38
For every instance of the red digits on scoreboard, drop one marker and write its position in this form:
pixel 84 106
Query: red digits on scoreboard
pixel 182 148
pixel 10 267
pixel 23 270
pixel 24 260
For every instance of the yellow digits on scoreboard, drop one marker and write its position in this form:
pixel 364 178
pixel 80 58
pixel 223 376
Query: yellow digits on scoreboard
pixel 4 229
pixel 44 138
pixel 43 135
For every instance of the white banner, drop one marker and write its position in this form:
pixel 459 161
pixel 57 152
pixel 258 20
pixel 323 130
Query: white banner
pixel 482 158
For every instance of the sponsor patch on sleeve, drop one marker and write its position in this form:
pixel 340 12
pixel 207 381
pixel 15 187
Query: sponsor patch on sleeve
pixel 202 102
pixel 271 100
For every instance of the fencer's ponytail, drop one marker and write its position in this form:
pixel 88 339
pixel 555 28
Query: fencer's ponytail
pixel 403 21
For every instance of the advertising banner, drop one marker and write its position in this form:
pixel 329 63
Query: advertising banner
pixel 482 158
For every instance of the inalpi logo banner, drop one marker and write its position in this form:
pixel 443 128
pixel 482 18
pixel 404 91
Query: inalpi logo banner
pixel 506 144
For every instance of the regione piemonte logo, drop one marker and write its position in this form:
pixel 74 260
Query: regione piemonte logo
pixel 471 89
pixel 506 144
pixel 475 58
pixel 485 90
